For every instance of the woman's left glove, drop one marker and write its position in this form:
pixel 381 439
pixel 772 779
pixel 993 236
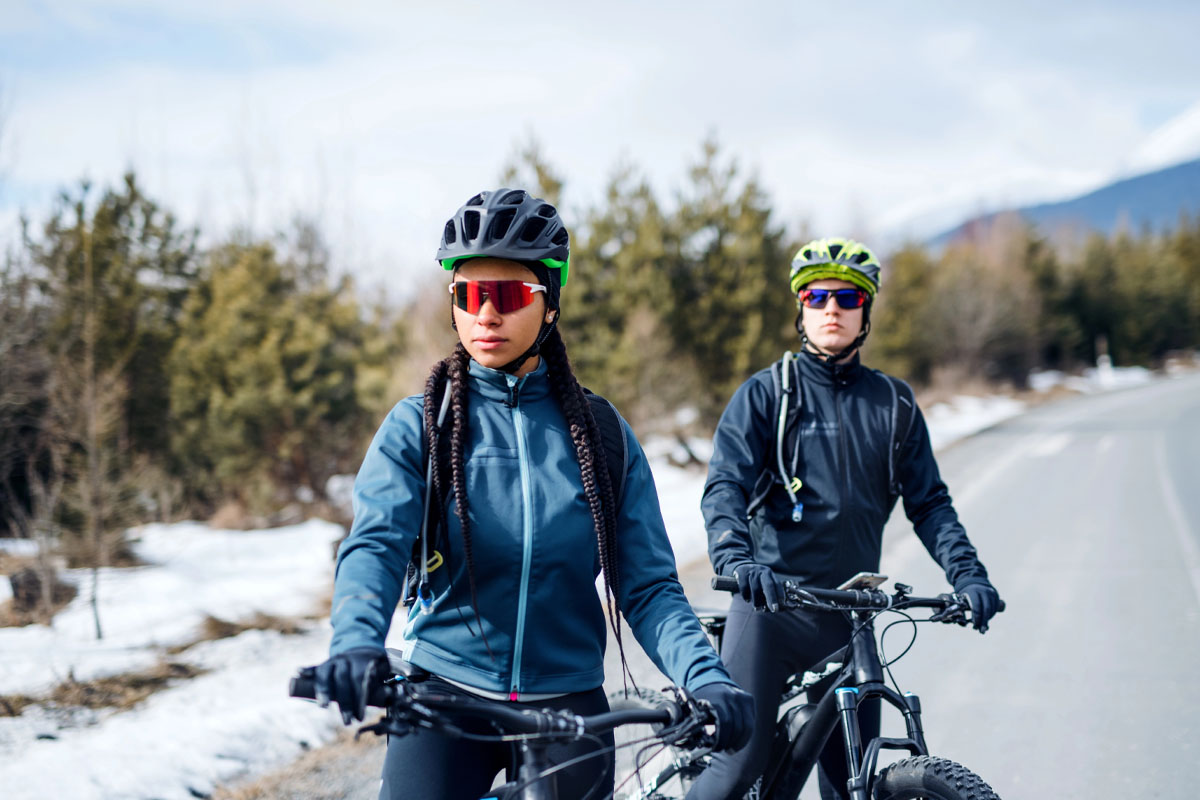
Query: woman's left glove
pixel 734 710
pixel 347 679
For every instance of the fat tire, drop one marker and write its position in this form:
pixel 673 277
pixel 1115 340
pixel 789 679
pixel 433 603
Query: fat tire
pixel 930 778
pixel 675 784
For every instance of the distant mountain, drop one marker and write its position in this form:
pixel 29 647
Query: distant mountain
pixel 1154 200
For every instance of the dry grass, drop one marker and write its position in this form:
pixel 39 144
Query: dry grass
pixel 115 691
pixel 13 617
pixel 127 690
pixel 213 628
pixel 10 563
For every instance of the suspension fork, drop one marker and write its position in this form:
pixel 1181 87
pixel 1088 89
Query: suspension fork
pixel 868 675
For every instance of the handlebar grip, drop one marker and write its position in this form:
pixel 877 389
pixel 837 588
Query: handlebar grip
pixel 724 583
pixel 303 684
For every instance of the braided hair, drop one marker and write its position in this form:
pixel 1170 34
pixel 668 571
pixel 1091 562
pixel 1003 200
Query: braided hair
pixel 585 435
pixel 453 369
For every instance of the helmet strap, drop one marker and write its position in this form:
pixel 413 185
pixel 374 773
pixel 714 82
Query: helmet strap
pixel 833 358
pixel 534 349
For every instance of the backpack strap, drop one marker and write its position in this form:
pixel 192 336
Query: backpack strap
pixel 612 438
pixel 904 406
pixel 784 388
pixel 785 385
pixel 421 554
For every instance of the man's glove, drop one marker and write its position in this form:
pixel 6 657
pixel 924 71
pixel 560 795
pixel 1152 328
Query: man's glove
pixel 347 679
pixel 758 585
pixel 984 600
pixel 734 710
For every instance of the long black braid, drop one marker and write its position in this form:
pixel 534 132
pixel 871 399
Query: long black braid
pixel 585 434
pixel 454 369
pixel 593 468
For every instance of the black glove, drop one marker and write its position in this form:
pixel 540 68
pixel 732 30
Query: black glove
pixel 347 679
pixel 758 585
pixel 984 600
pixel 734 710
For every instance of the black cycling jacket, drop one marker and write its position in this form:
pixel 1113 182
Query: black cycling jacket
pixel 845 429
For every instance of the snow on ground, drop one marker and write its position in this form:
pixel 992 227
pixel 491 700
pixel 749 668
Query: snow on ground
pixel 237 719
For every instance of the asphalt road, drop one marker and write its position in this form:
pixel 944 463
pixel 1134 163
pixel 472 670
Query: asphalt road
pixel 1087 515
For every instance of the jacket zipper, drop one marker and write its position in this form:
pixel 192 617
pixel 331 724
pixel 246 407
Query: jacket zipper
pixel 843 452
pixel 527 535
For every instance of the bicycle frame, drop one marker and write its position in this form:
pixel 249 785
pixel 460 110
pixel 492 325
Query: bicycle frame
pixel 803 731
pixel 861 679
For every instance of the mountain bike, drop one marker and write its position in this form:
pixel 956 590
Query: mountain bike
pixel 412 701
pixel 663 772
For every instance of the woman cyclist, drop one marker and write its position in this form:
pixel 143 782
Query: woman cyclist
pixel 527 507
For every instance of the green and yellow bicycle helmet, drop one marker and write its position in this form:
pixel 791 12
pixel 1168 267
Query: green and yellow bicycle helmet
pixel 844 259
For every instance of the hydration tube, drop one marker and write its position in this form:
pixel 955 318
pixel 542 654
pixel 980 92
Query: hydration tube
pixel 790 483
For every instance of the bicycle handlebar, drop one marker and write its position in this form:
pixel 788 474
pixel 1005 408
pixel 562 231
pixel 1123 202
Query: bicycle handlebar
pixel 418 702
pixel 855 599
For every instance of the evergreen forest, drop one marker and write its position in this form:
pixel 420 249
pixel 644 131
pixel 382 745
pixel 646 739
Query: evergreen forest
pixel 145 376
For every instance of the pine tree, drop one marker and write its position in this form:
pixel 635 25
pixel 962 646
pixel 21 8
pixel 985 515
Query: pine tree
pixel 731 308
pixel 263 379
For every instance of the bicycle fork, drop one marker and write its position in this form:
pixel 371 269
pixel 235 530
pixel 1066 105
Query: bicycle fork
pixel 861 763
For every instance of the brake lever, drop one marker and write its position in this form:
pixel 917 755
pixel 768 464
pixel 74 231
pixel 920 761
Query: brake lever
pixel 955 611
pixel 689 732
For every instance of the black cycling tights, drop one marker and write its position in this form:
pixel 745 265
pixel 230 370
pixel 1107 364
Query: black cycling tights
pixel 761 650
pixel 427 765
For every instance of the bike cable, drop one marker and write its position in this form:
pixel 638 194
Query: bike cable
pixel 883 659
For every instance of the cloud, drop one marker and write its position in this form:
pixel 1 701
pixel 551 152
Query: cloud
pixel 381 118
pixel 1174 142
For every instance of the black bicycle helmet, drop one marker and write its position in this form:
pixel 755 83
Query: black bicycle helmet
pixel 510 224
pixel 513 225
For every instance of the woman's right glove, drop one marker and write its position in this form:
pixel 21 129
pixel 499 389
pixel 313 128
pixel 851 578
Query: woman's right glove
pixel 347 679
pixel 734 710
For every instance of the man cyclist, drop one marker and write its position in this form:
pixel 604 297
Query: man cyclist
pixel 800 485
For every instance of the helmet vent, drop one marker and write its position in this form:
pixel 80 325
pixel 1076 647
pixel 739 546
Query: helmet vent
pixel 860 258
pixel 546 210
pixel 470 225
pixel 532 229
pixel 834 249
pixel 561 238
pixel 807 255
pixel 477 200
pixel 449 235
pixel 514 198
pixel 501 222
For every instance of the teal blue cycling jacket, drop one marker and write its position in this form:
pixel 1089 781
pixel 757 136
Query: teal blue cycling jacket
pixel 534 549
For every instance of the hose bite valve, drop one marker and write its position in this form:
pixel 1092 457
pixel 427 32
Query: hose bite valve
pixel 797 507
pixel 425 598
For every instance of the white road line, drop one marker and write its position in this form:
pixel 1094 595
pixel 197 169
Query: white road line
pixel 1051 445
pixel 1191 554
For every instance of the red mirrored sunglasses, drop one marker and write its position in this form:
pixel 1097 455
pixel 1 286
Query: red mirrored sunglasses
pixel 846 298
pixel 506 296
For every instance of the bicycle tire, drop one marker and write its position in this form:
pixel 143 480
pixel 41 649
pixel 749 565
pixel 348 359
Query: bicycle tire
pixel 674 768
pixel 930 778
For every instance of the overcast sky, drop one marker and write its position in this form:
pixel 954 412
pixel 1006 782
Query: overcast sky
pixel 872 118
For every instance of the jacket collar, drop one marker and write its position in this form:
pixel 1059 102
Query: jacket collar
pixel 821 372
pixel 502 387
